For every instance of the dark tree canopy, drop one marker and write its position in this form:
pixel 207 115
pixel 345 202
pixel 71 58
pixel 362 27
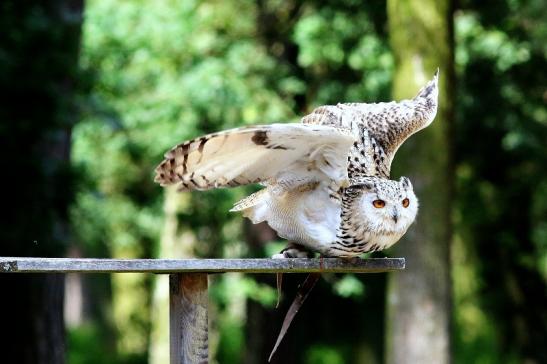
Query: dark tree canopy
pixel 39 79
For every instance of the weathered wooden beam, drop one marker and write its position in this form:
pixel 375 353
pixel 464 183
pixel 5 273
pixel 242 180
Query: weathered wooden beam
pixel 296 265
pixel 188 326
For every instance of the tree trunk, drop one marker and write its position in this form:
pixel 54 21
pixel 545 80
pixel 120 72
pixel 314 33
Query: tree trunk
pixel 38 74
pixel 419 298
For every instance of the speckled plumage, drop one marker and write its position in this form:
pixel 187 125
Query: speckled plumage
pixel 321 177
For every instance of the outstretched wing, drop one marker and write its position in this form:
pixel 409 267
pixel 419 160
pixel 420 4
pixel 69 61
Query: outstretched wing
pixel 290 154
pixel 381 128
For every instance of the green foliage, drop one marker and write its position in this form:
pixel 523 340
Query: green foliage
pixel 500 282
pixel 319 354
pixel 231 341
pixel 234 287
pixel 166 71
pixel 349 286
pixel 86 346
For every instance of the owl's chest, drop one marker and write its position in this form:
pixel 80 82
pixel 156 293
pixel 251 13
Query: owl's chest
pixel 362 243
pixel 381 241
pixel 310 218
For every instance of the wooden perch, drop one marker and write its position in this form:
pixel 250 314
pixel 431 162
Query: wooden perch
pixel 296 265
pixel 188 285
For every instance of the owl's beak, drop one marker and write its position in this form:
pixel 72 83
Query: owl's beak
pixel 395 216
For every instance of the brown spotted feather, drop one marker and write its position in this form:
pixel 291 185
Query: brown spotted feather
pixel 381 128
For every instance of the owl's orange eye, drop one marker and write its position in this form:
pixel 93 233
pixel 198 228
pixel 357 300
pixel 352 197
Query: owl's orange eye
pixel 378 203
pixel 406 202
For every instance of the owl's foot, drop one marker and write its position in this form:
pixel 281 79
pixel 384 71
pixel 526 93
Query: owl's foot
pixel 293 250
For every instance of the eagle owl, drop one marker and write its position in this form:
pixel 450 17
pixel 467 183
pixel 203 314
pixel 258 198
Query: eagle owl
pixel 326 179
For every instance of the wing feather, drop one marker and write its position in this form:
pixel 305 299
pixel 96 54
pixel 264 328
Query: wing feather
pixel 280 152
pixel 387 124
pixel 392 123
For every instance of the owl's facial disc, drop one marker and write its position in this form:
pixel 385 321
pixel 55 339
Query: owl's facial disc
pixel 387 205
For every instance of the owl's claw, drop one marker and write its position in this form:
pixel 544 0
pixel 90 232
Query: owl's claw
pixel 292 251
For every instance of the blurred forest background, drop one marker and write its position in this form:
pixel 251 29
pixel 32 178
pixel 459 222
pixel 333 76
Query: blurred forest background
pixel 94 93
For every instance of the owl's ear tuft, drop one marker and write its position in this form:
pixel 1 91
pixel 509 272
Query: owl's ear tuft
pixel 362 185
pixel 366 185
pixel 405 182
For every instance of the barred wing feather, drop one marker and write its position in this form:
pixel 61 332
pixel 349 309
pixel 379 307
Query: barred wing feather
pixel 290 154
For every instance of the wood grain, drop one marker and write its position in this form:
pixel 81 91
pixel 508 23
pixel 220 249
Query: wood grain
pixel 188 318
pixel 293 265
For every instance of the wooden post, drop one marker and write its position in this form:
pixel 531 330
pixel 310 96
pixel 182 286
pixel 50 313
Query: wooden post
pixel 188 327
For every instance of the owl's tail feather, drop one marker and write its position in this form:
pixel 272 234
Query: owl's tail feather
pixel 254 207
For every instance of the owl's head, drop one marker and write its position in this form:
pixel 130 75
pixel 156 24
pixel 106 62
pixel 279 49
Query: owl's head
pixel 385 206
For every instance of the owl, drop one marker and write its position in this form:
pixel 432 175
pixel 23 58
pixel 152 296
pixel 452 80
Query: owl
pixel 326 180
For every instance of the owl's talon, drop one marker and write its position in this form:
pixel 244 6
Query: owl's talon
pixel 292 251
